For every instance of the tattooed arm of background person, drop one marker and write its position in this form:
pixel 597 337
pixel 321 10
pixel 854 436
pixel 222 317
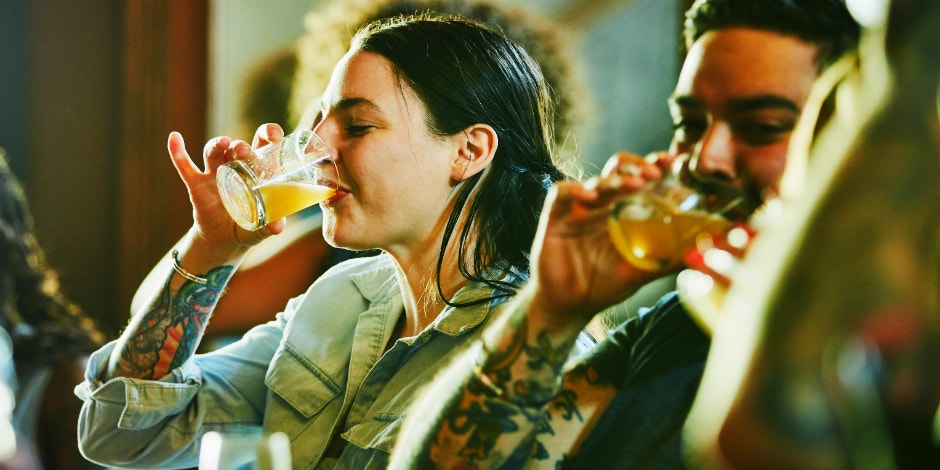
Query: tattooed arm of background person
pixel 514 403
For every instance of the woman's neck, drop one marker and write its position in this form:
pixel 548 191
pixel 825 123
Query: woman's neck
pixel 424 289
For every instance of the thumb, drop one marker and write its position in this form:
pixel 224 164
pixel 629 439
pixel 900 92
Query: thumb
pixel 180 157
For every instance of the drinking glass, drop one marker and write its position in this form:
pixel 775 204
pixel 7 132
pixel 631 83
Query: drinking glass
pixel 222 451
pixel 655 227
pixel 276 180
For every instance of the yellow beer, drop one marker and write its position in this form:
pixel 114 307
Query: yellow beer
pixel 660 237
pixel 284 198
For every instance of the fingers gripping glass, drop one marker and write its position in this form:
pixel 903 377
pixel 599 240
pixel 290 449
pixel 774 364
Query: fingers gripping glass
pixel 277 180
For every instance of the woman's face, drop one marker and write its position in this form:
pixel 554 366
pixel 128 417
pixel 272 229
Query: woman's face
pixel 394 175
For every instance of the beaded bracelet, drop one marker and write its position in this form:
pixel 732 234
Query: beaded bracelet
pixel 186 274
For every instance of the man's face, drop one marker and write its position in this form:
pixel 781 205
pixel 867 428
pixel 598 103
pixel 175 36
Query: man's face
pixel 738 98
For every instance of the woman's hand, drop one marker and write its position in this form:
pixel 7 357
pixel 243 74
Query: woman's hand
pixel 213 228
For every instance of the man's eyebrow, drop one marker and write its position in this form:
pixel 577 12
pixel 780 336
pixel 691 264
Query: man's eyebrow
pixel 759 102
pixel 741 105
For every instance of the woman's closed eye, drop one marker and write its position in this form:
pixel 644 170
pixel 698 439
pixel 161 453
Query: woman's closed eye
pixel 357 130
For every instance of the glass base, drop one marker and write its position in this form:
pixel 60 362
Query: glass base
pixel 242 201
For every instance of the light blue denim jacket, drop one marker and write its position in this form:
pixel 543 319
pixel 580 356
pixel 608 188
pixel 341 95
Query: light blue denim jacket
pixel 319 360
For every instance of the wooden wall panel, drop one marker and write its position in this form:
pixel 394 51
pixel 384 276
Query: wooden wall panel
pixel 165 63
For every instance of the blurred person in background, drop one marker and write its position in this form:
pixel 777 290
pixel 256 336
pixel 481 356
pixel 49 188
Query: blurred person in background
pixel 826 355
pixel 51 339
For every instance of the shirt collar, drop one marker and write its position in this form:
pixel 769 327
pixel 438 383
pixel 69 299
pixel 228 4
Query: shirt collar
pixel 379 284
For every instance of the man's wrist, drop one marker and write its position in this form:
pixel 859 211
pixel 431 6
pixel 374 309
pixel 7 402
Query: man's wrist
pixel 519 359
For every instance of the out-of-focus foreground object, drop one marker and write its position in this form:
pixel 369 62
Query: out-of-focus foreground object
pixel 826 353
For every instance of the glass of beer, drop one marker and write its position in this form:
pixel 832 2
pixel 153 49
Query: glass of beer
pixel 277 180
pixel 655 227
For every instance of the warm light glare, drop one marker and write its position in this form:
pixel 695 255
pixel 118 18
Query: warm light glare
pixel 868 13
pixel 210 451
pixel 738 238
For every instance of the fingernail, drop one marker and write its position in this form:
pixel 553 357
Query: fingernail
pixel 613 182
pixel 630 169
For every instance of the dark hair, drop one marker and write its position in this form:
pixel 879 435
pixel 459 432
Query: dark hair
pixel 826 23
pixel 44 326
pixel 466 73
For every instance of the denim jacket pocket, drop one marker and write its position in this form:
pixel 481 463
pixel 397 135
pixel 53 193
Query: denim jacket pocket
pixel 300 383
pixel 379 433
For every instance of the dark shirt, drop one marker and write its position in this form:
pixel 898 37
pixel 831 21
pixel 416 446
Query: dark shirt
pixel 658 360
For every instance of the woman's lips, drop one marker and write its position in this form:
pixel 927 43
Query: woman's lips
pixel 338 195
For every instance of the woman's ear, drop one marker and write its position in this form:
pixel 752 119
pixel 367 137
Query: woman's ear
pixel 476 146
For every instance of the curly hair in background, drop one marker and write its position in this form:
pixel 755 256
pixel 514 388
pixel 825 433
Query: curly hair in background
pixel 329 30
pixel 51 336
pixel 45 326
pixel 267 91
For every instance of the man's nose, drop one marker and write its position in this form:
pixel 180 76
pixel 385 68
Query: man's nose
pixel 713 156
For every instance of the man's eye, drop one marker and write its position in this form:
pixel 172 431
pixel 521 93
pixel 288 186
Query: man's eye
pixel 764 133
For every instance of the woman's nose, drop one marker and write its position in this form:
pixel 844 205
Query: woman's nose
pixel 327 133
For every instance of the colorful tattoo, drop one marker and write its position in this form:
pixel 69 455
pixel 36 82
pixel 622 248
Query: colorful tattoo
pixel 168 334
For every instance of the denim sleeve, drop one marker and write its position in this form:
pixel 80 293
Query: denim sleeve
pixel 149 423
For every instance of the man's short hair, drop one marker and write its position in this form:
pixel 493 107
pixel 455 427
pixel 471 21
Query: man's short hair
pixel 826 23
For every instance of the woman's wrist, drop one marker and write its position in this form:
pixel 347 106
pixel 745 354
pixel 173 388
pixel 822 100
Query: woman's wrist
pixel 199 254
pixel 552 319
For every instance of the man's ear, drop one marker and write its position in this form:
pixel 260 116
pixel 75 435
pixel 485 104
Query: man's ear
pixel 476 146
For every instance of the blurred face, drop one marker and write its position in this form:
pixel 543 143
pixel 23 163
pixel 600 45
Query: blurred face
pixel 394 175
pixel 737 100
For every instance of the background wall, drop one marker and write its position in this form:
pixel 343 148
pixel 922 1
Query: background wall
pixel 59 122
pixel 243 32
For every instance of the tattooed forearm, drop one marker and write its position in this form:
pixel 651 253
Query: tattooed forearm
pixel 169 332
pixel 483 423
pixel 529 368
pixel 499 419
pixel 516 404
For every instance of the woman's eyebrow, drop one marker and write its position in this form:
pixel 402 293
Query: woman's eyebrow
pixel 354 102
